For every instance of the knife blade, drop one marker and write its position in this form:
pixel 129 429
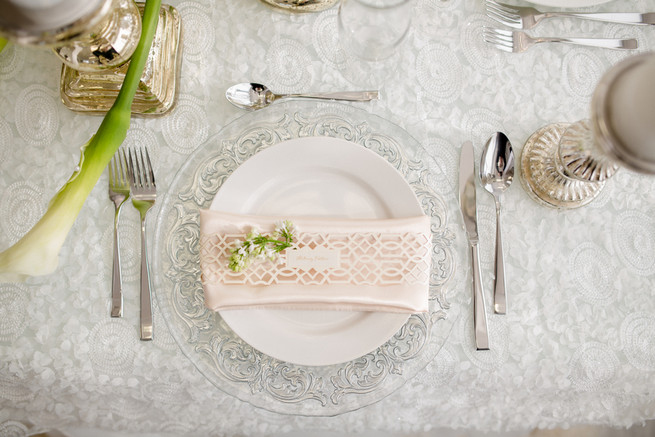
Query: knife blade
pixel 468 206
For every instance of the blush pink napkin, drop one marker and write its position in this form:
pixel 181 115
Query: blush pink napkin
pixel 335 264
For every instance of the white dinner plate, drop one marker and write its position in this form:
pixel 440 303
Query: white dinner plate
pixel 568 3
pixel 320 177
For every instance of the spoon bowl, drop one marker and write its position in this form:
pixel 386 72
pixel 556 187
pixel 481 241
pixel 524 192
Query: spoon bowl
pixel 253 96
pixel 497 164
pixel 250 96
pixel 496 175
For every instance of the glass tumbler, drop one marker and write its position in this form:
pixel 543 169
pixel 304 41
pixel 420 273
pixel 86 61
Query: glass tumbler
pixel 373 29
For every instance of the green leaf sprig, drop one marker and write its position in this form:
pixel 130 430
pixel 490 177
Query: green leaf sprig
pixel 258 247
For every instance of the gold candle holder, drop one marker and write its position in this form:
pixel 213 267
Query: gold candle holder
pixel 95 40
pixel 94 91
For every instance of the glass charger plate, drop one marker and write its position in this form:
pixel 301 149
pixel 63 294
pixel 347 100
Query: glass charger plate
pixel 233 365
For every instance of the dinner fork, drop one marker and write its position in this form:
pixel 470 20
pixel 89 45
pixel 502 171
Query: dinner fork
pixel 518 42
pixel 119 192
pixel 524 17
pixel 144 193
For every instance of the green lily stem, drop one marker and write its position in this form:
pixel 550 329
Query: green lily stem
pixel 3 43
pixel 37 252
pixel 113 129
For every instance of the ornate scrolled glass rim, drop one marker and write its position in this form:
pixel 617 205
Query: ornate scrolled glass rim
pixel 606 138
pixel 223 358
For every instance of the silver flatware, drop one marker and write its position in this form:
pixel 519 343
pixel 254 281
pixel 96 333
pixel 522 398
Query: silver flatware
pixel 517 41
pixel 467 203
pixel 496 175
pixel 144 193
pixel 252 96
pixel 119 192
pixel 524 17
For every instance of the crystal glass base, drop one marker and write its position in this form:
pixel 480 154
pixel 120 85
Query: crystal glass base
pixel 107 45
pixel 543 176
pixel 302 5
pixel 96 91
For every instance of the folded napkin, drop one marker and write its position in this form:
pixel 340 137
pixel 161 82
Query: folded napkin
pixel 333 264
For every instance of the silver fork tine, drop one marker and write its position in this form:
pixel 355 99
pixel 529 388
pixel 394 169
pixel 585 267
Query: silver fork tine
pixel 505 14
pixel 122 164
pixel 142 174
pixel 132 168
pixel 502 7
pixel 137 174
pixel 492 35
pixel 504 17
pixel 502 45
pixel 500 40
pixel 504 32
pixel 119 192
pixel 492 39
pixel 146 167
pixel 151 174
pixel 492 7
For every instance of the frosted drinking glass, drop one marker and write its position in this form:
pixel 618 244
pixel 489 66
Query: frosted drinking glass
pixel 373 29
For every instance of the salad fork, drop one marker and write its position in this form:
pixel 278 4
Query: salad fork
pixel 524 17
pixel 518 42
pixel 119 192
pixel 144 193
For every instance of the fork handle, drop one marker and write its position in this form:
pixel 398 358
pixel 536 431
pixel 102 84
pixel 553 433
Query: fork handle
pixel 611 17
pixel 146 303
pixel 608 43
pixel 116 287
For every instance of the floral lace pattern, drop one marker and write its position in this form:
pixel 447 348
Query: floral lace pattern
pixel 576 346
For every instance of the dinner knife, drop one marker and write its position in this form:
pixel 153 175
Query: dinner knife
pixel 467 204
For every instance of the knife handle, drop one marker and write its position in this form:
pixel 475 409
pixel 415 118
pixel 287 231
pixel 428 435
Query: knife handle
pixel 479 310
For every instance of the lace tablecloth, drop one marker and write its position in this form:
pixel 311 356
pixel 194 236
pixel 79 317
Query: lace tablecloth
pixel 578 344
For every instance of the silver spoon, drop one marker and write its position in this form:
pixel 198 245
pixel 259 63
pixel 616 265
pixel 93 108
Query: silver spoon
pixel 252 96
pixel 496 174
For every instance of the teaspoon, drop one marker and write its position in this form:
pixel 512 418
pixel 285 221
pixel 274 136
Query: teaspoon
pixel 496 174
pixel 252 96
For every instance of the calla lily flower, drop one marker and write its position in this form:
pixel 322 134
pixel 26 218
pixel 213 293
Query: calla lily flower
pixel 37 252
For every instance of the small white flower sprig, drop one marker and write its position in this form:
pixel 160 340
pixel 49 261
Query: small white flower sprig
pixel 259 247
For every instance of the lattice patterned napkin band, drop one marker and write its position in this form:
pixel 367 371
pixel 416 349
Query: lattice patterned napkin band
pixel 333 264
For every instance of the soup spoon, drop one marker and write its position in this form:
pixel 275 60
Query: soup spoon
pixel 252 96
pixel 496 174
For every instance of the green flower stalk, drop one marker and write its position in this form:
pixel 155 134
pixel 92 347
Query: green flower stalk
pixel 37 253
pixel 3 43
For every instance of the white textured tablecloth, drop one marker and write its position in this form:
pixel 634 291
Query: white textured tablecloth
pixel 578 344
